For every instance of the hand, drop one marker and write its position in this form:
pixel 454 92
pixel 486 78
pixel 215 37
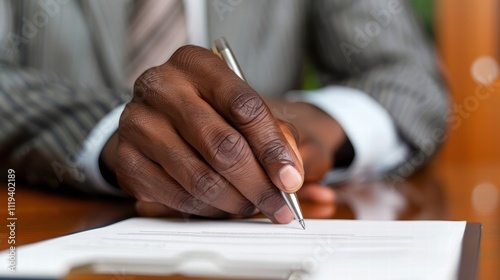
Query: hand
pixel 197 139
pixel 320 136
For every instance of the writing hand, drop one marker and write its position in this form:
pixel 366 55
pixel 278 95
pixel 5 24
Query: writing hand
pixel 197 139
pixel 319 136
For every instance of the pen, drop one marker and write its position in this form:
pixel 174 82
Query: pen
pixel 222 49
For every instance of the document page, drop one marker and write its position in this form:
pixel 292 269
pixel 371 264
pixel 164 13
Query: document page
pixel 327 249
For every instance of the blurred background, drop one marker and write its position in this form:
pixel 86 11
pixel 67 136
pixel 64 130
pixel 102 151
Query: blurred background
pixel 467 35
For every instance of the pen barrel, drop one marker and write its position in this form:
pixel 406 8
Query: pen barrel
pixel 293 203
pixel 222 49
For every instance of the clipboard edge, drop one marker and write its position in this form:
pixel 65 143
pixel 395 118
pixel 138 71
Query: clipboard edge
pixel 469 256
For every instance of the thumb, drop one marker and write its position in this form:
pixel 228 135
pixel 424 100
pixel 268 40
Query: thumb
pixel 292 136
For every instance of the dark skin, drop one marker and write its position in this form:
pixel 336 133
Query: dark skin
pixel 197 139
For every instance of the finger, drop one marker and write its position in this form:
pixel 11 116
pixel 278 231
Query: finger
pixel 145 180
pixel 194 69
pixel 153 209
pixel 292 136
pixel 245 110
pixel 316 193
pixel 185 165
pixel 229 155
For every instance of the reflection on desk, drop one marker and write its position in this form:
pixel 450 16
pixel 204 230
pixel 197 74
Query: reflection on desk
pixel 421 198
pixel 43 214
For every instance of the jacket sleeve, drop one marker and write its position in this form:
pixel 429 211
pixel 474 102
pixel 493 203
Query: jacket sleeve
pixel 44 119
pixel 378 47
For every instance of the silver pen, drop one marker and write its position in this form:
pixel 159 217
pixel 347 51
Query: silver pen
pixel 222 49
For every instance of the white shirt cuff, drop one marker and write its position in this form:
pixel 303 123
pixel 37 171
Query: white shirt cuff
pixel 369 127
pixel 196 21
pixel 88 159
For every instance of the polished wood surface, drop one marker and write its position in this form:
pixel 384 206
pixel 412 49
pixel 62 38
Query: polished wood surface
pixel 439 192
pixel 43 214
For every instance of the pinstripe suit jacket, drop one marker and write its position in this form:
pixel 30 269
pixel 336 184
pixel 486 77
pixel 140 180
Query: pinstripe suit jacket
pixel 62 68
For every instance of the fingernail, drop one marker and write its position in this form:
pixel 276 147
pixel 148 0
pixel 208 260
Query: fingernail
pixel 290 178
pixel 284 215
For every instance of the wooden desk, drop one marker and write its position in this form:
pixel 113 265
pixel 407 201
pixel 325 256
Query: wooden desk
pixel 45 214
pixel 438 192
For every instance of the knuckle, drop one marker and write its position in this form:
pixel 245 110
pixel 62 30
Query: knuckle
pixel 148 84
pixel 246 209
pixel 130 165
pixel 125 122
pixel 247 107
pixel 268 199
pixel 131 120
pixel 274 152
pixel 185 52
pixel 163 86
pixel 227 150
pixel 207 185
pixel 184 203
pixel 191 205
pixel 187 57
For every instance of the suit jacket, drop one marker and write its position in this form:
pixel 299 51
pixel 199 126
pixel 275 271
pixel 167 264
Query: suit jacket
pixel 62 68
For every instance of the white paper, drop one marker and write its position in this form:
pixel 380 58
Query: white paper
pixel 327 249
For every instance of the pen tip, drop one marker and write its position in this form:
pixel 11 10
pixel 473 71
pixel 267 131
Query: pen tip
pixel 302 224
